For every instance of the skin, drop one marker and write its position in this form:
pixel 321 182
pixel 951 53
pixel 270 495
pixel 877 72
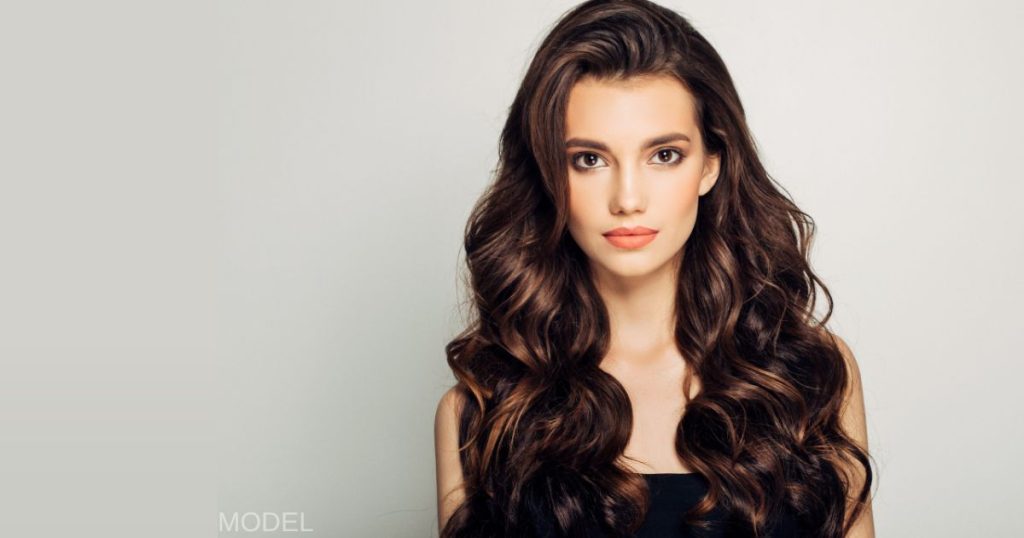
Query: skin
pixel 628 182
pixel 625 182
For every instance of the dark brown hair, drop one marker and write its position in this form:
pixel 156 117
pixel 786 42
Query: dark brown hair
pixel 541 426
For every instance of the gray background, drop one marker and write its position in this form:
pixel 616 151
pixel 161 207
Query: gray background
pixel 231 244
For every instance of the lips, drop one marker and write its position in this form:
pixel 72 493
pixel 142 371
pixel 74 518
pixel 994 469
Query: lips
pixel 630 238
pixel 636 230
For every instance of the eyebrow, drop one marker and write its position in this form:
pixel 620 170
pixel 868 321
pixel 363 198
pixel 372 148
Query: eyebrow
pixel 656 141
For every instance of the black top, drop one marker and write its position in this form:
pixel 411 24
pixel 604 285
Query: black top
pixel 674 493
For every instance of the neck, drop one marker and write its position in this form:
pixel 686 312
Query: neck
pixel 641 313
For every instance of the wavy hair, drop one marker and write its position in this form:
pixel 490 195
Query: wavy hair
pixel 541 426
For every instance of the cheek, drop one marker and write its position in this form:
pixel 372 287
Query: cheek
pixel 680 193
pixel 586 219
pixel 581 208
pixel 684 205
pixel 680 206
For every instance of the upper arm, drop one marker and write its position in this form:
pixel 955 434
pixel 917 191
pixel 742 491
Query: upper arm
pixel 450 490
pixel 854 424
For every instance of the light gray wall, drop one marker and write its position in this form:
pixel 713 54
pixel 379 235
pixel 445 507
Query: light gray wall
pixel 231 238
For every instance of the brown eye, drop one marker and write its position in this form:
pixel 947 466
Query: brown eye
pixel 586 160
pixel 664 156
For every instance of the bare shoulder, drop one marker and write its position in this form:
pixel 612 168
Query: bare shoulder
pixel 851 360
pixel 853 420
pixel 446 416
pixel 450 489
pixel 854 389
pixel 451 399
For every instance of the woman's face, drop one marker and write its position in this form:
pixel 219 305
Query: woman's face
pixel 636 159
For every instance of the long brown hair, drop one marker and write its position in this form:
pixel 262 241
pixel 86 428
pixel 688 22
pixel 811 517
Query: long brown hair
pixel 542 427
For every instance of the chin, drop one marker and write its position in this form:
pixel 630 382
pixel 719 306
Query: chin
pixel 632 268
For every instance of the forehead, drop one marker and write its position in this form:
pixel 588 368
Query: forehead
pixel 630 108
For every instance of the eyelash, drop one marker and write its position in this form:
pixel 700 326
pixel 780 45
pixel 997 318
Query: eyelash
pixel 576 157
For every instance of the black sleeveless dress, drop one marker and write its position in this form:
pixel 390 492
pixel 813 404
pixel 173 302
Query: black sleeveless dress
pixel 673 493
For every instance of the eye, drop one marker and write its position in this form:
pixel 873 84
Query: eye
pixel 667 153
pixel 589 159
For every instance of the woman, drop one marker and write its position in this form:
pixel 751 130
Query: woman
pixel 644 358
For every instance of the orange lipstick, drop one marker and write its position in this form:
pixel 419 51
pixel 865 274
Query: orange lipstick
pixel 630 238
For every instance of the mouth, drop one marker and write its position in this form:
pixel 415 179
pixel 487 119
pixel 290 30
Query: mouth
pixel 635 230
pixel 631 238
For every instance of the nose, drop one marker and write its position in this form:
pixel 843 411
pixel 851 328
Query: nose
pixel 628 192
